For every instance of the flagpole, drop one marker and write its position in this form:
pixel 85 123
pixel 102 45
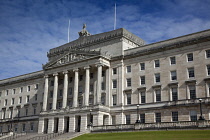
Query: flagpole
pixel 115 15
pixel 69 31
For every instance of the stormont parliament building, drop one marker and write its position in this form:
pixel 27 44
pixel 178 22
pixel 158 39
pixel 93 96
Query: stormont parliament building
pixel 112 80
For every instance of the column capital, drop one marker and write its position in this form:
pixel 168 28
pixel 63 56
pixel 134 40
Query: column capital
pixel 65 72
pixel 87 67
pixel 46 76
pixel 75 70
pixel 55 74
pixel 99 65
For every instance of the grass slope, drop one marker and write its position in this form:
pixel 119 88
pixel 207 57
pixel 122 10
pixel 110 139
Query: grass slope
pixel 150 135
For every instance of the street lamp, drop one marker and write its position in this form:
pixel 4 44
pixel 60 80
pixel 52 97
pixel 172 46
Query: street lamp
pixel 90 124
pixel 201 114
pixel 137 116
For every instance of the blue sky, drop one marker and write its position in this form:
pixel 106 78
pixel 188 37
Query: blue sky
pixel 29 28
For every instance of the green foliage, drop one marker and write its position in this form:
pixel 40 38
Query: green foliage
pixel 150 135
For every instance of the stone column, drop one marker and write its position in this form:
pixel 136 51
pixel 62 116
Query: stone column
pixel 139 101
pixel 108 82
pixel 55 91
pixel 44 107
pixel 75 98
pixel 87 85
pixel 83 126
pixel 65 89
pixel 170 94
pixel 98 93
pixel 188 91
pixel 72 123
pixel 154 96
pixel 50 125
pixel 207 89
pixel 61 124
pixel 120 83
pixel 41 126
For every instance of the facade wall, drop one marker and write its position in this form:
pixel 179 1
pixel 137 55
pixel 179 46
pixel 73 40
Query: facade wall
pixel 115 85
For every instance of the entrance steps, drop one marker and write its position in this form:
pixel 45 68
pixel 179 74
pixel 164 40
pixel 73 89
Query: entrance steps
pixel 29 136
pixel 70 135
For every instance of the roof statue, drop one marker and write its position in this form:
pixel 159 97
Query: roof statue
pixel 84 32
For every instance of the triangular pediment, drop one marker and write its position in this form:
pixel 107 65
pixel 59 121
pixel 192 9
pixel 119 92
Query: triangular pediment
pixel 70 57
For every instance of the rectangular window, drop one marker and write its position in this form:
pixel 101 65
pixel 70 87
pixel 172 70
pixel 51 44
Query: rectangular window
pixel 102 86
pixel 128 99
pixel 142 80
pixel 34 110
pixel 61 93
pixel 13 91
pixel 128 81
pixel 35 97
pixel 7 92
pixel 70 79
pixel 193 115
pixel 27 99
pixel 157 77
pixel 13 101
pixel 70 91
pixel 26 111
pixel 80 77
pixel 21 89
pixel 36 86
pixel 103 73
pixel 91 75
pixel 207 53
pixel 50 106
pixel 23 127
pixel 114 71
pixel 158 117
pixel 52 83
pixel 29 88
pixel 142 118
pixel 103 98
pixel 51 94
pixel 142 66
pixel 5 102
pixel 192 92
pixel 158 95
pixel 173 75
pixel 32 127
pixel 80 89
pixel 91 88
pixel 128 69
pixel 20 100
pixel 128 119
pixel 190 57
pixel 114 100
pixel 208 69
pixel 174 94
pixel 143 97
pixel 114 84
pixel 173 60
pixel 18 112
pixel 191 72
pixel 157 63
pixel 59 105
pixel 175 116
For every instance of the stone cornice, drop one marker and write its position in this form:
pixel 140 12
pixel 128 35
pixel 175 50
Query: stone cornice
pixel 166 45
pixel 83 42
pixel 22 78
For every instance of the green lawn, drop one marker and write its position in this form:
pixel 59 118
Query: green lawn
pixel 150 135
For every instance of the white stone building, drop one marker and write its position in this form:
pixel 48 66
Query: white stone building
pixel 102 78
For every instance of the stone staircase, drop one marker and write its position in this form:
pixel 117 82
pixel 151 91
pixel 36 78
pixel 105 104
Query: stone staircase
pixel 70 135
pixel 29 135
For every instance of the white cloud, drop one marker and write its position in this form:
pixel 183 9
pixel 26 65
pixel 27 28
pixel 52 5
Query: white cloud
pixel 28 29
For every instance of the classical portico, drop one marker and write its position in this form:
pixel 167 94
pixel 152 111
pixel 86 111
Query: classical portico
pixel 70 72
